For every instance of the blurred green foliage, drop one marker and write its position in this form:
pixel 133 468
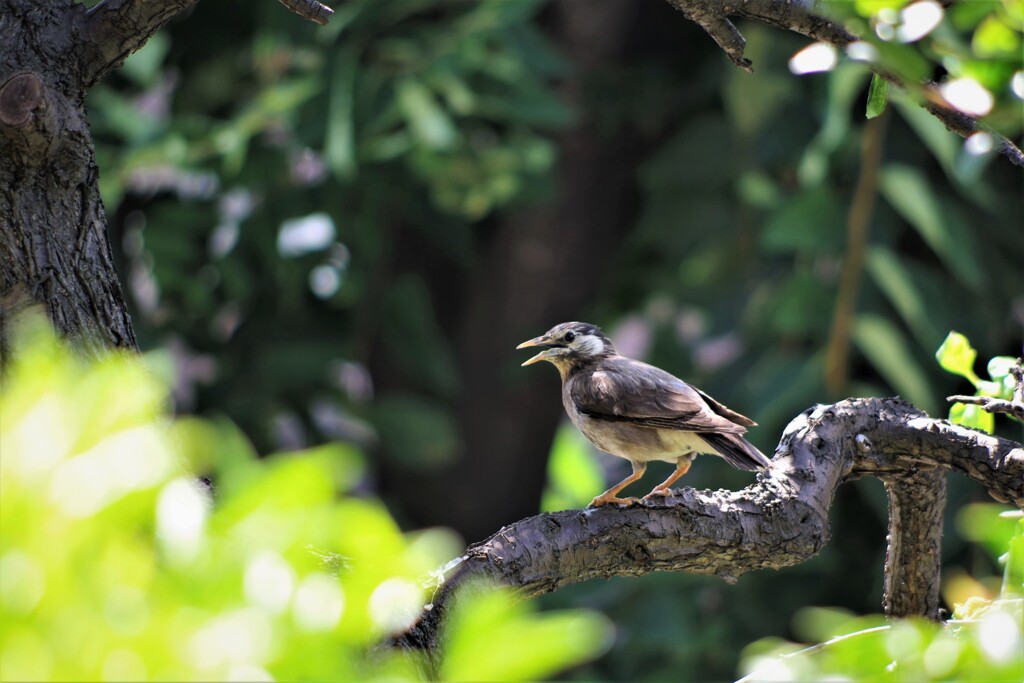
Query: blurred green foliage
pixel 978 43
pixel 267 178
pixel 984 641
pixel 302 212
pixel 118 563
pixel 956 355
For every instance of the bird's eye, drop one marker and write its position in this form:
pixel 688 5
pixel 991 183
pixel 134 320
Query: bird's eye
pixel 570 336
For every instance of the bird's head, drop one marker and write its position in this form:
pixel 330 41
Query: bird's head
pixel 569 344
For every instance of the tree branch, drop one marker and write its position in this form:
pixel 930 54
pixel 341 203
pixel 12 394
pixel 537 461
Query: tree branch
pixel 1013 407
pixel 113 29
pixel 781 520
pixel 913 558
pixel 799 16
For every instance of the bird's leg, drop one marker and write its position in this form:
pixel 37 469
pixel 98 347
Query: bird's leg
pixel 662 489
pixel 610 496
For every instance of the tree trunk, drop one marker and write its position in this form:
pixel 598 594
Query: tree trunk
pixel 53 244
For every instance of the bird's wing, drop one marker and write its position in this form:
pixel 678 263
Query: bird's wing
pixel 624 390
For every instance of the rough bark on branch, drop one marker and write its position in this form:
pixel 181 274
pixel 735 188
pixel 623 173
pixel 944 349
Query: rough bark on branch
pixel 799 16
pixel 779 521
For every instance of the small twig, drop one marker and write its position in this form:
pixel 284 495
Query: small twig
pixel 990 404
pixel 993 405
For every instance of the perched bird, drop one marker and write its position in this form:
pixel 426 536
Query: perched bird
pixel 639 412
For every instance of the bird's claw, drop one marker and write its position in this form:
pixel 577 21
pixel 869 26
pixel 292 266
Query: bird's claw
pixel 601 501
pixel 658 493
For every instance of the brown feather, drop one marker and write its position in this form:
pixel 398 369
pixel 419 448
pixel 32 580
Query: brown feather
pixel 622 390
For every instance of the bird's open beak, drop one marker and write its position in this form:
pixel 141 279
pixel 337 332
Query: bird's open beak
pixel 537 341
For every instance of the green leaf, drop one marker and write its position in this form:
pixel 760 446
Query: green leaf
pixel 878 96
pixel 956 355
pixel 429 122
pixel 885 346
pixel 995 39
pixel 985 523
pixel 532 646
pixel 844 86
pixel 898 285
pixel 970 415
pixel 908 191
pixel 339 143
pixel 810 223
pixel 574 475
pixel 999 367
pixel 942 143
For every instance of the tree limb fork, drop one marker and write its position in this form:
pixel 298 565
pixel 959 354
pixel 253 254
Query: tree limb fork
pixel 779 521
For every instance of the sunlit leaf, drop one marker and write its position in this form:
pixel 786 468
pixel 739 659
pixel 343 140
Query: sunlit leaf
pixel 492 632
pixel 574 475
pixel 993 38
pixel 970 415
pixel 956 355
pixel 984 523
pixel 999 366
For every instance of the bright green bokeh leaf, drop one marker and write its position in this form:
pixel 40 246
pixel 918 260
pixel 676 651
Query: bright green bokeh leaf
pixel 117 564
pixel 574 475
pixel 993 38
pixel 999 367
pixel 492 633
pixel 984 523
pixel 956 355
pixel 970 415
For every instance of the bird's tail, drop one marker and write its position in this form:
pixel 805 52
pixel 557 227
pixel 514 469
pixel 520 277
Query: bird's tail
pixel 736 450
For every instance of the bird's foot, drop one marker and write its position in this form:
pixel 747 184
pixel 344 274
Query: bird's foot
pixel 605 499
pixel 658 493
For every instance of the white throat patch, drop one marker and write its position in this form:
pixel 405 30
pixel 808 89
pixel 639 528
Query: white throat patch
pixel 588 345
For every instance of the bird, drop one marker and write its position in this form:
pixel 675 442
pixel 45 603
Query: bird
pixel 639 412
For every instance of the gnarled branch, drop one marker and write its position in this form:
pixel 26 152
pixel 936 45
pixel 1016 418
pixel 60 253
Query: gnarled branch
pixel 779 521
